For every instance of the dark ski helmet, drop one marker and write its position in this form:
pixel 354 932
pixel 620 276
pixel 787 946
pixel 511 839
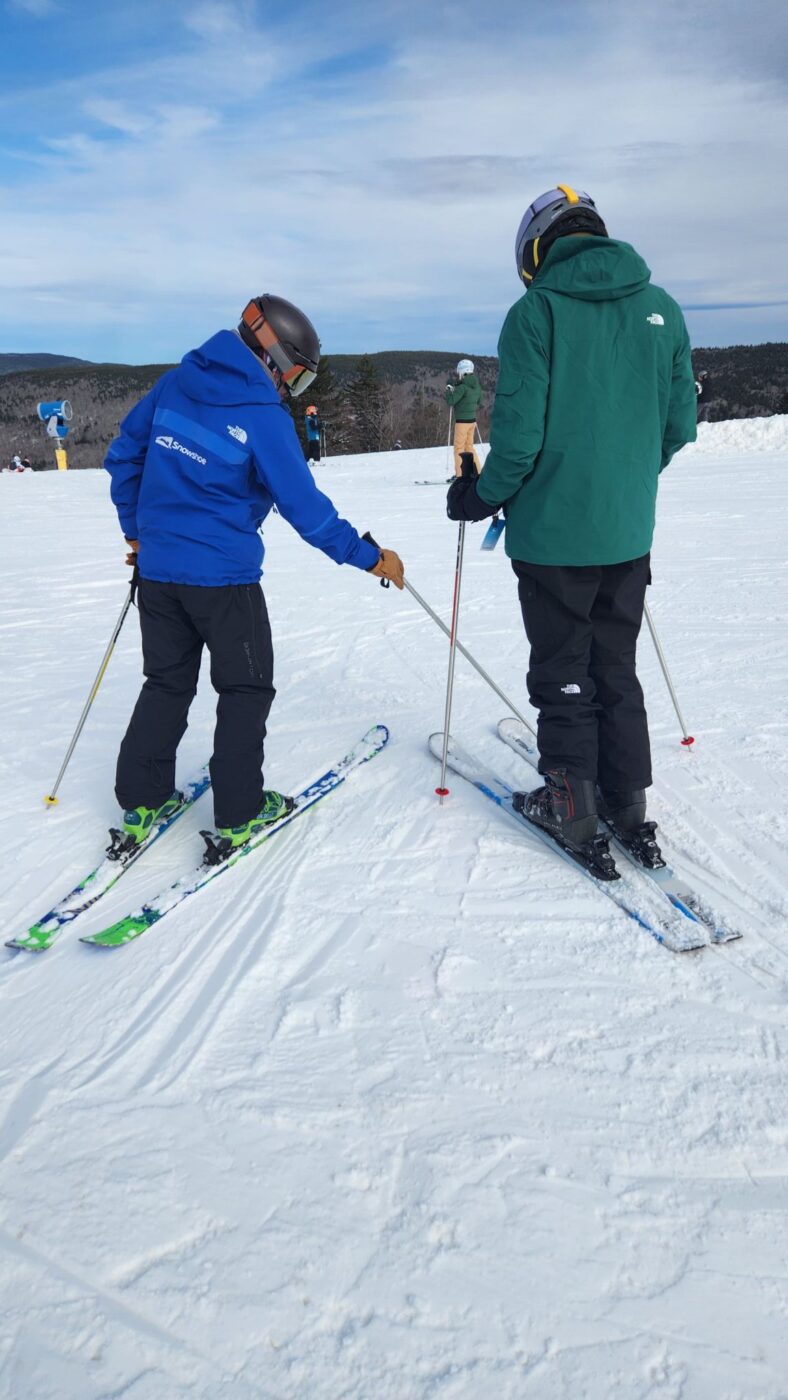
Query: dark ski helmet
pixel 284 338
pixel 560 211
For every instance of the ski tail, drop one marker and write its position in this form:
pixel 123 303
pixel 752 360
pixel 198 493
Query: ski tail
pixel 46 930
pixel 133 925
pixel 676 889
pixel 671 931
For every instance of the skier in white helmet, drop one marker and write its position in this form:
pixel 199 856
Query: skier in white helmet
pixel 464 397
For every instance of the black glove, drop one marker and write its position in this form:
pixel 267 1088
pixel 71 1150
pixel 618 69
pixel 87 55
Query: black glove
pixel 463 501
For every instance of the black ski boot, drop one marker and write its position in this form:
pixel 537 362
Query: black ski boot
pixel 565 808
pixel 625 814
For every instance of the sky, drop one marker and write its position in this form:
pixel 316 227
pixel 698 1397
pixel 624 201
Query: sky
pixel 161 163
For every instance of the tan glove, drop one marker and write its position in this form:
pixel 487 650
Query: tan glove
pixel 391 567
pixel 133 545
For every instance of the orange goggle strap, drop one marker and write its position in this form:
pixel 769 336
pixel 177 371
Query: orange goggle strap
pixel 261 330
pixel 267 339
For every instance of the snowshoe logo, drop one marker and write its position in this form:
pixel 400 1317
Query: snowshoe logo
pixel 655 319
pixel 238 433
pixel 174 446
pixel 570 689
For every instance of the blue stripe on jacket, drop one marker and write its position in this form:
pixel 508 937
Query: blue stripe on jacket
pixel 196 496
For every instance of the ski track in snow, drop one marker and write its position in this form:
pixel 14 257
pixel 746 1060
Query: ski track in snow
pixel 400 1107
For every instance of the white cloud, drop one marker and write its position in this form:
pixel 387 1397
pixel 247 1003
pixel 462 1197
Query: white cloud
pixel 224 167
pixel 217 19
pixel 119 115
pixel 37 8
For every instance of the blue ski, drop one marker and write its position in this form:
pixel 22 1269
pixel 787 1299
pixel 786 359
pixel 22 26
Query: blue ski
pixel 678 934
pixel 133 925
pixel 42 934
pixel 674 887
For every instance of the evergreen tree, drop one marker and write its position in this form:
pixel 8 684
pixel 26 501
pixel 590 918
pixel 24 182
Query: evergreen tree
pixel 332 408
pixel 369 409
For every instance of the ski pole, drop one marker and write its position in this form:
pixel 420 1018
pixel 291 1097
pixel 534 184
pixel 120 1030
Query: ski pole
pixel 510 705
pixel 468 470
pixel 51 799
pixel 688 739
pixel 449 462
pixel 422 602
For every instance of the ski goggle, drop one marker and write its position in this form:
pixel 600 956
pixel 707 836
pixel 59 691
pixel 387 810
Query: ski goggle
pixel 296 377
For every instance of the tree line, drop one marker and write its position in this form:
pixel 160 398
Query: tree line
pixel 369 403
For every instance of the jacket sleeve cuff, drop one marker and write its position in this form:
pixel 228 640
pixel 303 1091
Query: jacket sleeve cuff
pixel 366 556
pixel 128 524
pixel 480 485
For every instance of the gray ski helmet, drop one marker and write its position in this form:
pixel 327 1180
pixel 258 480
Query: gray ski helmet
pixel 539 225
pixel 284 337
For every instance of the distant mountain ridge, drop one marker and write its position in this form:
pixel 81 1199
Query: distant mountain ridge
pixel 17 364
pixel 745 381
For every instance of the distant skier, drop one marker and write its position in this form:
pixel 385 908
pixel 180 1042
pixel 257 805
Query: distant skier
pixel 595 395
pixel 314 427
pixel 703 396
pixel 464 398
pixel 196 468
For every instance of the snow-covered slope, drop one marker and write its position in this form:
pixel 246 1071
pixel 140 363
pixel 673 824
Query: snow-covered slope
pixel 399 1108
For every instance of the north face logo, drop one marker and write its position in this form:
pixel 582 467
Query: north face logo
pixel 655 319
pixel 238 433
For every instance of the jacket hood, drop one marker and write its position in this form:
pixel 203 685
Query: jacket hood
pixel 471 378
pixel 592 269
pixel 225 371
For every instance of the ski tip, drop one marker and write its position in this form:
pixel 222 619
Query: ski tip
pixel 377 734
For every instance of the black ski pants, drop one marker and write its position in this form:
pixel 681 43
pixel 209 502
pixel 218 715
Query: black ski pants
pixel 583 625
pixel 177 620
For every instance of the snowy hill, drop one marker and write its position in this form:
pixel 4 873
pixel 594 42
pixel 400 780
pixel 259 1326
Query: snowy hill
pixel 401 1107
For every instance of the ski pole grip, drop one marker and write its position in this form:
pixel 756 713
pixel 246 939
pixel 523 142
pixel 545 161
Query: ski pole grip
pixel 384 582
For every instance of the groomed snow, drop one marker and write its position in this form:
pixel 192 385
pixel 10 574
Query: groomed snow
pixel 398 1108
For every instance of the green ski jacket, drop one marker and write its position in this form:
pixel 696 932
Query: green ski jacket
pixel 465 398
pixel 595 394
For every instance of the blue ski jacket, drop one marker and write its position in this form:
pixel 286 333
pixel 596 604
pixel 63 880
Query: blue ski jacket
pixel 200 461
